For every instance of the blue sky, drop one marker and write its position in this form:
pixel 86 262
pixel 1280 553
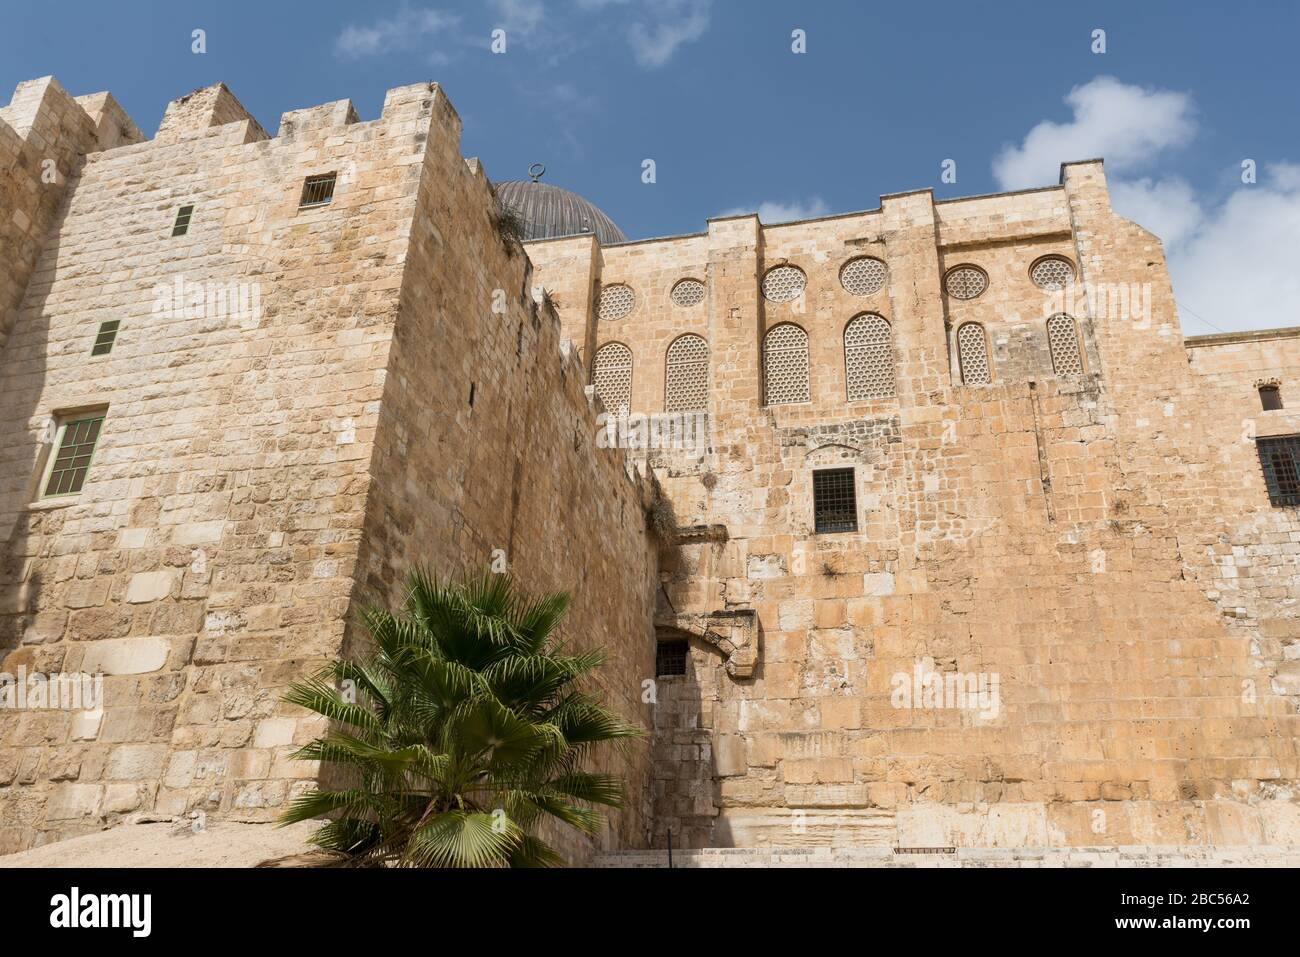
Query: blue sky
pixel 712 92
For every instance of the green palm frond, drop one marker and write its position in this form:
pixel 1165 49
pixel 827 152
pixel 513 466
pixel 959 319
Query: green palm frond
pixel 465 732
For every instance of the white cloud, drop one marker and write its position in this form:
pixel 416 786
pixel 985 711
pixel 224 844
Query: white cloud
pixel 673 23
pixel 1166 207
pixel 773 212
pixel 1230 263
pixel 519 16
pixel 408 28
pixel 1236 268
pixel 1124 123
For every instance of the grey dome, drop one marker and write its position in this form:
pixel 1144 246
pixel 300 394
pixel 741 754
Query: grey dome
pixel 551 211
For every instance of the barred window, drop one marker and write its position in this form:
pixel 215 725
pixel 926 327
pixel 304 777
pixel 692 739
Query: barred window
pixel 77 439
pixel 317 190
pixel 688 292
pixel 973 355
pixel 784 283
pixel 863 276
pixel 785 365
pixel 183 217
pixel 686 375
pixel 835 501
pixel 1270 397
pixel 105 338
pixel 1280 459
pixel 612 377
pixel 1052 273
pixel 616 302
pixel 670 658
pixel 965 282
pixel 869 357
pixel 1063 341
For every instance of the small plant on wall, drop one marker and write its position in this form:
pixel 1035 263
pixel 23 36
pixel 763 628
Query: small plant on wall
pixel 459 734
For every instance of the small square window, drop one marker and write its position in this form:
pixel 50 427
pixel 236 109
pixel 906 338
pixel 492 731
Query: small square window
pixel 317 191
pixel 835 501
pixel 74 450
pixel 670 658
pixel 1270 397
pixel 183 216
pixel 1280 459
pixel 105 338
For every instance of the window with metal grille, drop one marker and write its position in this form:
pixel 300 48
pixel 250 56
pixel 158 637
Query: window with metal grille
pixel 835 501
pixel 1063 343
pixel 105 337
pixel 868 358
pixel 785 365
pixel 965 281
pixel 784 283
pixel 1052 273
pixel 687 293
pixel 183 217
pixel 1270 397
pixel 317 190
pixel 615 302
pixel 1280 458
pixel 75 449
pixel 973 355
pixel 686 375
pixel 863 276
pixel 670 658
pixel 612 376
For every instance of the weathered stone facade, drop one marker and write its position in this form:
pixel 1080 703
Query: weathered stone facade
pixel 378 388
pixel 1098 539
pixel 1060 496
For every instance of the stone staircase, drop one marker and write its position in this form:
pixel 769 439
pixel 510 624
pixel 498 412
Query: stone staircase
pixel 1129 856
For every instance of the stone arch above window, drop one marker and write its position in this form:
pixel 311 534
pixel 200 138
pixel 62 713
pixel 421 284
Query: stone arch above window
pixel 973 355
pixel 785 365
pixel 1063 341
pixel 869 357
pixel 686 375
pixel 612 376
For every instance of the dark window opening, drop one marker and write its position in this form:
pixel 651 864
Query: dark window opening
pixel 1270 397
pixel 317 190
pixel 670 658
pixel 105 337
pixel 472 387
pixel 183 217
pixel 1280 458
pixel 835 501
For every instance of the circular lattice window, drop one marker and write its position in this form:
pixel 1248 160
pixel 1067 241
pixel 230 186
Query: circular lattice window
pixel 965 282
pixel 688 292
pixel 1052 272
pixel 784 284
pixel 615 302
pixel 864 276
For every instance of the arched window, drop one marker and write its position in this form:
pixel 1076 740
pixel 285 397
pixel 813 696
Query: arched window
pixel 785 365
pixel 869 357
pixel 1063 341
pixel 973 354
pixel 686 375
pixel 612 376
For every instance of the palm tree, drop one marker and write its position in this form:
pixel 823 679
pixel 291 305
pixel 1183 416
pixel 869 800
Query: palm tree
pixel 458 734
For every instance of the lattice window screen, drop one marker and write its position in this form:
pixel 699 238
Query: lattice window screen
pixel 784 283
pixel 686 386
pixel 864 276
pixel 688 292
pixel 869 358
pixel 1063 340
pixel 616 302
pixel 973 353
pixel 612 377
pixel 1052 273
pixel 785 365
pixel 965 282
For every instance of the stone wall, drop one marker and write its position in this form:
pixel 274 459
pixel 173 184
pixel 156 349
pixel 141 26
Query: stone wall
pixel 288 428
pixel 1073 537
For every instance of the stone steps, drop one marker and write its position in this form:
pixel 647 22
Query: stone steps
pixel 1128 856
